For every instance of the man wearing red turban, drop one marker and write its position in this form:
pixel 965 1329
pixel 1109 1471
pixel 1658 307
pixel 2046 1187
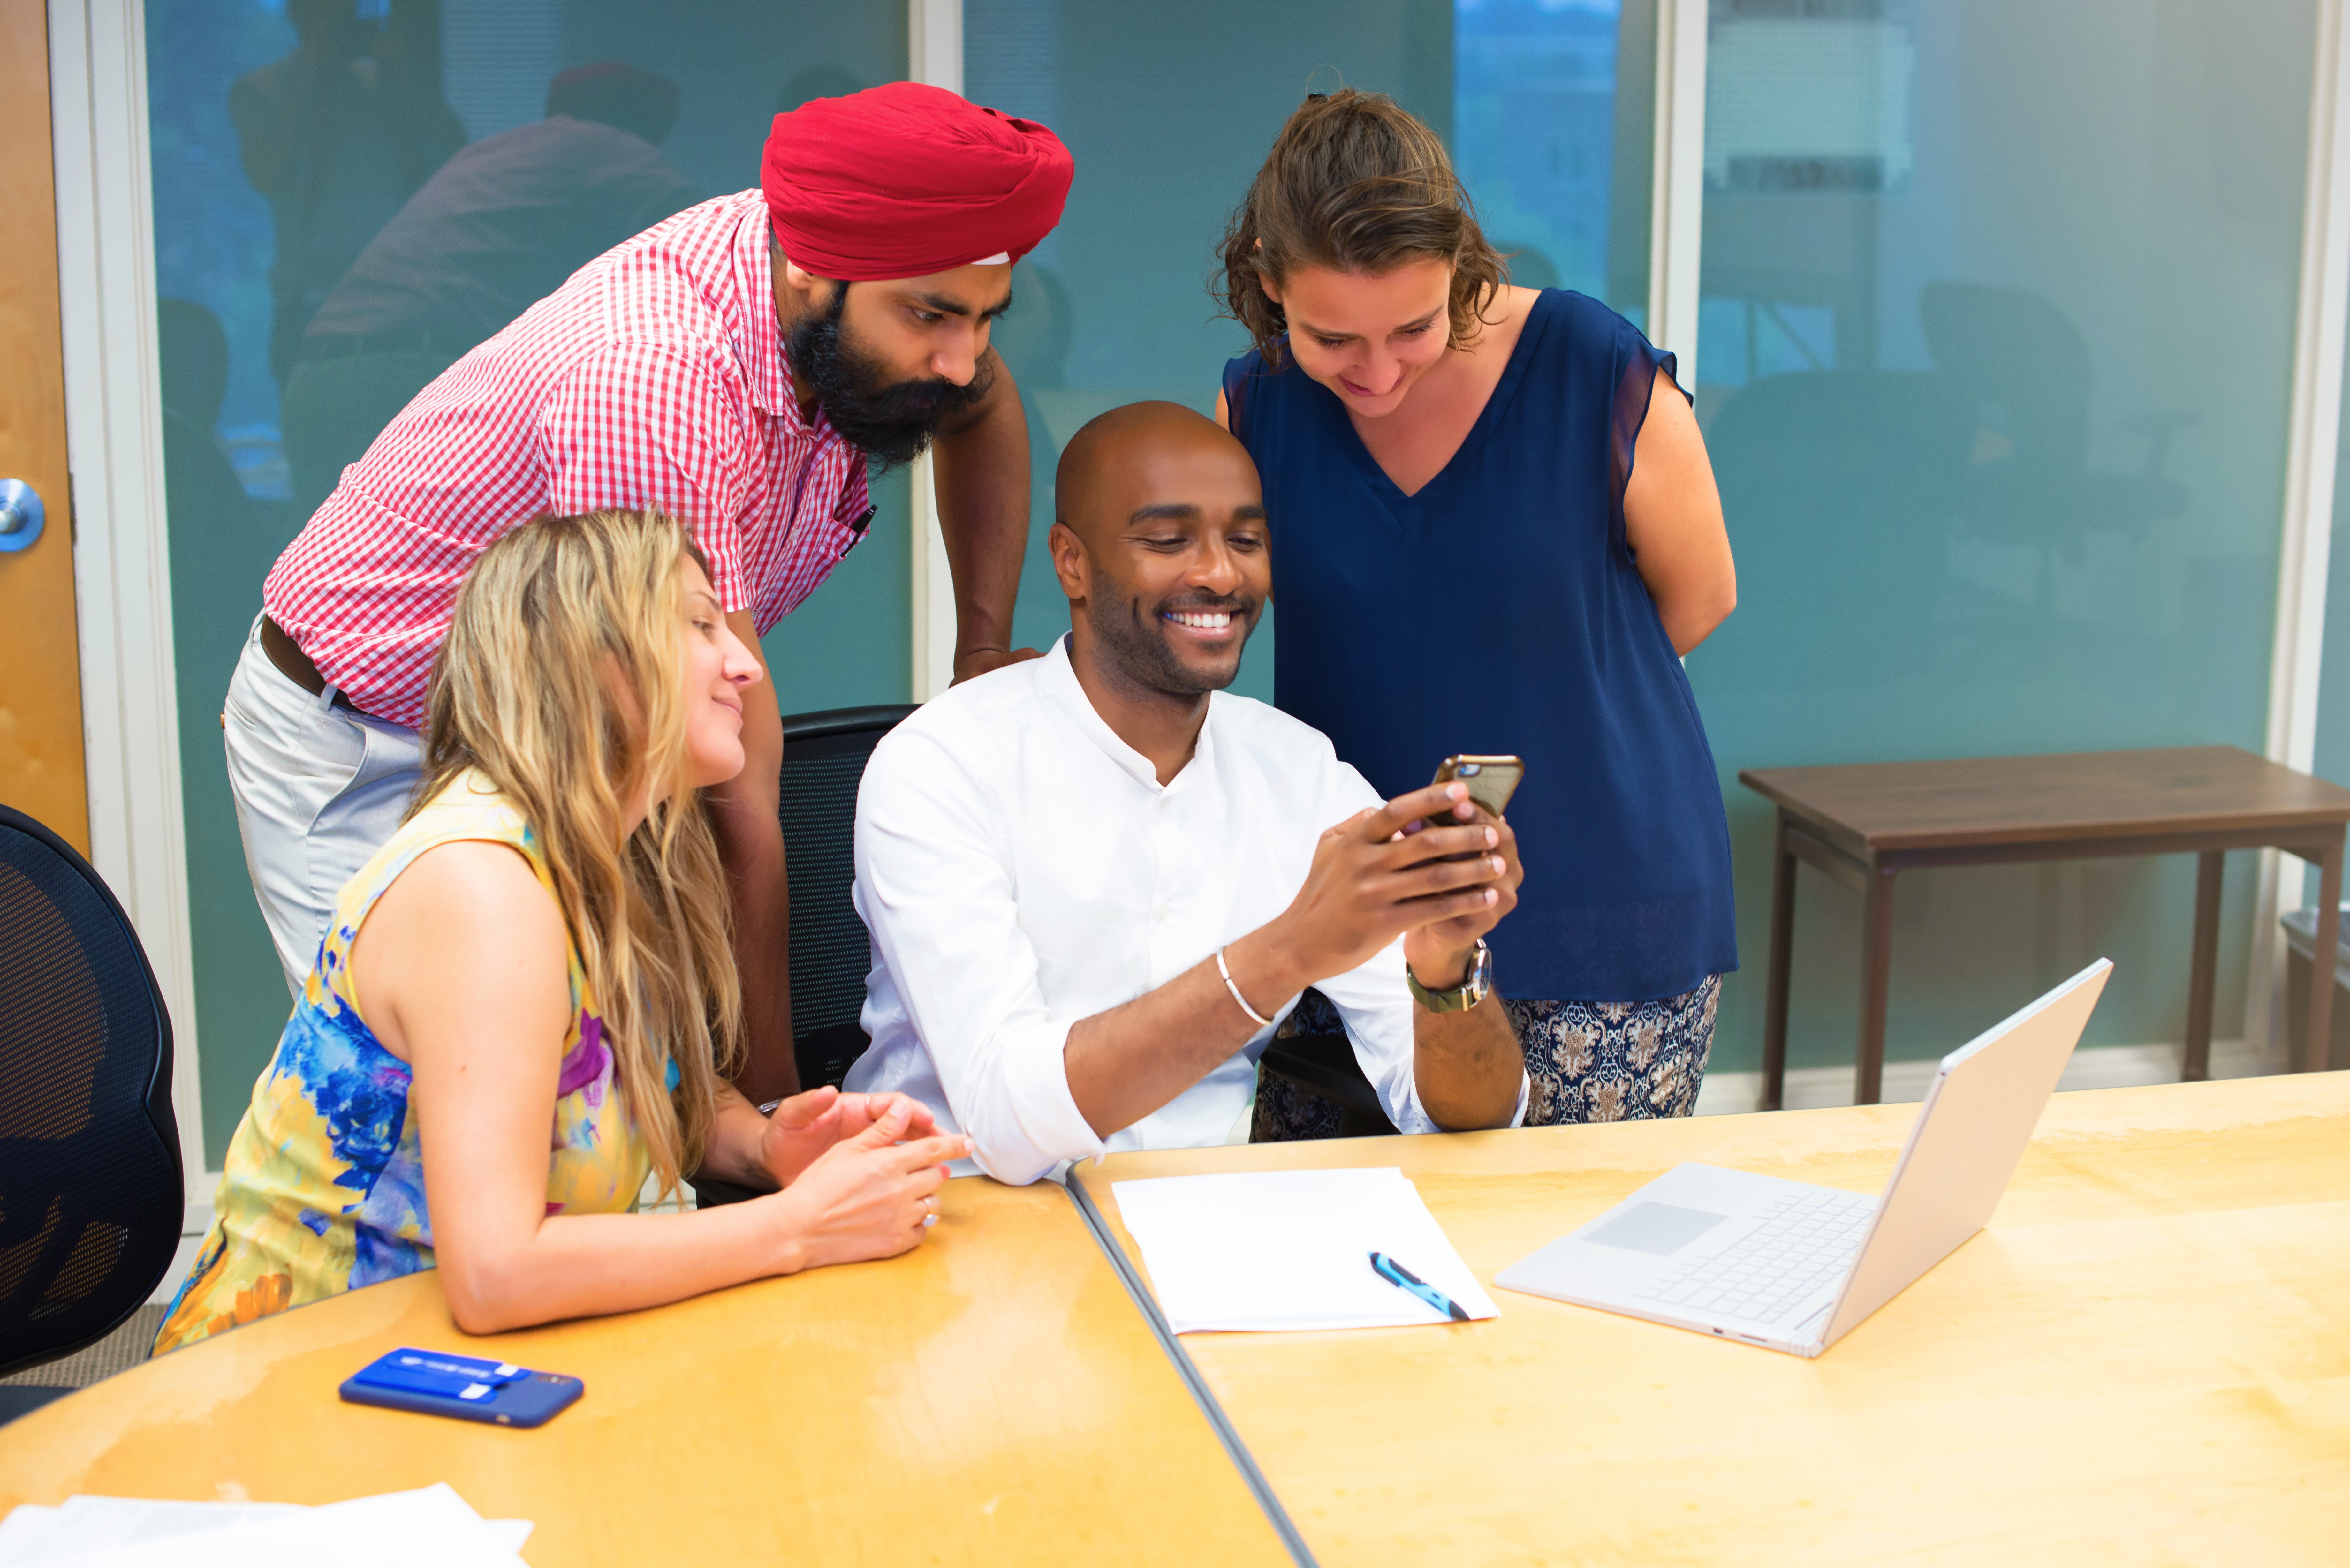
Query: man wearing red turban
pixel 737 365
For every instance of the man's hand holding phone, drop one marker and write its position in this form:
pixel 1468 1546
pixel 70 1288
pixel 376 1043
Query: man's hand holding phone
pixel 1437 868
pixel 1448 947
pixel 1429 866
pixel 1440 952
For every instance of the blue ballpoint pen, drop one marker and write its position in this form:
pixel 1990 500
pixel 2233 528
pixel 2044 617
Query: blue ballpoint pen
pixel 1403 1279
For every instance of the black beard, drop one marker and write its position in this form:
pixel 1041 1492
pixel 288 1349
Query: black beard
pixel 892 422
pixel 1144 660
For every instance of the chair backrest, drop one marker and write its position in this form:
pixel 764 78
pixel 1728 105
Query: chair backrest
pixel 2020 352
pixel 90 1194
pixel 824 761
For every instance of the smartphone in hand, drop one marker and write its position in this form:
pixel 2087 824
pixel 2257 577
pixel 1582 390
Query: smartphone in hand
pixel 1490 780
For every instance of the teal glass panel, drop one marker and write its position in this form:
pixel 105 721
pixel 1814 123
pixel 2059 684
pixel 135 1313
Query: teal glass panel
pixel 1993 359
pixel 389 87
pixel 851 643
pixel 1553 126
pixel 1169 120
pixel 1168 111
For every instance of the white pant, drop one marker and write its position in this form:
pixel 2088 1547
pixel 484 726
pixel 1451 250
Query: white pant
pixel 319 789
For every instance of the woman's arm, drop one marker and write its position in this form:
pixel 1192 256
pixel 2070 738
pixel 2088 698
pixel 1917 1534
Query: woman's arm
pixel 1672 521
pixel 462 972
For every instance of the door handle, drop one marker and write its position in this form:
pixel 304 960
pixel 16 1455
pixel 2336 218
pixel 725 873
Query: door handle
pixel 21 515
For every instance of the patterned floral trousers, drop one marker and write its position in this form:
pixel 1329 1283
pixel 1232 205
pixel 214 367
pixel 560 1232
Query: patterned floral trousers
pixel 1588 1061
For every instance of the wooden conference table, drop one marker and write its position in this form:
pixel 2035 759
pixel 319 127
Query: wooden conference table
pixel 2145 1359
pixel 1865 824
pixel 993 1396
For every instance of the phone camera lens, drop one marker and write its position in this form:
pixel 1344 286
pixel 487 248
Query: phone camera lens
pixel 1471 770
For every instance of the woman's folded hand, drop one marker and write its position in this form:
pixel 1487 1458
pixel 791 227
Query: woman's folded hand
pixel 870 1195
pixel 804 1126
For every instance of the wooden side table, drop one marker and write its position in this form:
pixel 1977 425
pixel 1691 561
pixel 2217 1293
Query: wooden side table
pixel 1865 823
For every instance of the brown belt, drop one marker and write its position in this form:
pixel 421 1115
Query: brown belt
pixel 295 665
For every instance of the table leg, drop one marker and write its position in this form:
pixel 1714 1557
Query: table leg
pixel 2202 967
pixel 2315 1050
pixel 1783 956
pixel 1876 984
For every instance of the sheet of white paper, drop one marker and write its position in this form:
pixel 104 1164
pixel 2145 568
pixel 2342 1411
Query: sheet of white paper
pixel 395 1529
pixel 84 1523
pixel 26 1524
pixel 508 1535
pixel 1291 1249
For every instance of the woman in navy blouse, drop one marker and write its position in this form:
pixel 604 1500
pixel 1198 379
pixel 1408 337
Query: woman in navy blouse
pixel 1467 557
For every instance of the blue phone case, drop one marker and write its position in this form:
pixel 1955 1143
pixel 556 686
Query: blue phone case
pixel 437 1383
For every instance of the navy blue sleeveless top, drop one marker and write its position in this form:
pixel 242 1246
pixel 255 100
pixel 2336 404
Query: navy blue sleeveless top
pixel 1498 610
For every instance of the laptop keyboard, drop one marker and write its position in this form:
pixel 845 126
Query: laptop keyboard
pixel 1805 1240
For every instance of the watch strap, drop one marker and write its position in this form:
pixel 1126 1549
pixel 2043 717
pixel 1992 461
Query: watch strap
pixel 1478 986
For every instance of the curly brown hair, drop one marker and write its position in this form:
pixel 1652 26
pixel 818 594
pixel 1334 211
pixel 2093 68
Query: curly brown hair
pixel 1355 182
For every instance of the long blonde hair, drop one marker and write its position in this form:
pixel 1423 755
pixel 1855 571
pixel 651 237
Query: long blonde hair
pixel 556 620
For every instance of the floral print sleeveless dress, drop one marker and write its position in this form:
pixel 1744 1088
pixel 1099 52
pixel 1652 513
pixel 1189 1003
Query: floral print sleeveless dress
pixel 323 1188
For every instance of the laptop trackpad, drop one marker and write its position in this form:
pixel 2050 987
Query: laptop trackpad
pixel 1662 1229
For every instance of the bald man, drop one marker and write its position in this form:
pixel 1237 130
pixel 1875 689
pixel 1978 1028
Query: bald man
pixel 1097 882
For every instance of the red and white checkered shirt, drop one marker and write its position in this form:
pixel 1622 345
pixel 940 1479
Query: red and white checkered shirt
pixel 654 378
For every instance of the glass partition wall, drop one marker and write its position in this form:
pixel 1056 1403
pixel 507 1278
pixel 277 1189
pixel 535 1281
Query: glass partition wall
pixel 1996 321
pixel 286 135
pixel 1995 347
pixel 1169 110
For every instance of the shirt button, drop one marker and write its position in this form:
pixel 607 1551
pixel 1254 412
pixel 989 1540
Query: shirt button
pixel 1160 912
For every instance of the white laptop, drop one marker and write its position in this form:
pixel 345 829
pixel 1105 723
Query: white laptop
pixel 1795 1267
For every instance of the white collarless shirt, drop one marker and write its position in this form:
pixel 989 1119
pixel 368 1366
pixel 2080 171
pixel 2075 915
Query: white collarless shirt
pixel 1020 867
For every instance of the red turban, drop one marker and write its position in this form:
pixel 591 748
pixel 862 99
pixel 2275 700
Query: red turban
pixel 905 180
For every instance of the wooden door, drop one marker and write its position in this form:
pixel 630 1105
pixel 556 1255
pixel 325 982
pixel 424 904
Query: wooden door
pixel 41 769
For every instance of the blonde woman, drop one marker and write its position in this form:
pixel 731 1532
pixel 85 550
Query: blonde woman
pixel 526 1001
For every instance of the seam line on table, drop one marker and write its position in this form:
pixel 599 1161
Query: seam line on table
pixel 1243 1460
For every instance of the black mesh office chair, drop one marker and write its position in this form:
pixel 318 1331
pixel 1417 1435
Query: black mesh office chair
pixel 90 1197
pixel 824 761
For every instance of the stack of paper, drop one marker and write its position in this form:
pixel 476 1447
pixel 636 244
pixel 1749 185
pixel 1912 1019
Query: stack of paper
pixel 1290 1249
pixel 403 1528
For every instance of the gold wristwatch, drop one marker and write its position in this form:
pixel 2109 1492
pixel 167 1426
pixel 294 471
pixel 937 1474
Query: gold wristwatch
pixel 1473 990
